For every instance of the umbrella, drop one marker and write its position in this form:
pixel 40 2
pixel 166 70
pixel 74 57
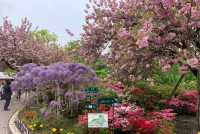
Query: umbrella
pixel 3 76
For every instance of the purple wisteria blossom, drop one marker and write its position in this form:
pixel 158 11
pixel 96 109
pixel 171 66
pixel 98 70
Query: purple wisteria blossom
pixel 75 95
pixel 32 76
pixel 53 104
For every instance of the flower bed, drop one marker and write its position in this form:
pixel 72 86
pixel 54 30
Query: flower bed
pixel 125 118
pixel 36 123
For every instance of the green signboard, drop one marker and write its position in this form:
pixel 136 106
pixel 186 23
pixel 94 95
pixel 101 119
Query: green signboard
pixel 91 106
pixel 91 90
pixel 108 101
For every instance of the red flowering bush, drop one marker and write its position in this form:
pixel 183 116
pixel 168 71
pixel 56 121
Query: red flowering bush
pixel 144 126
pixel 83 119
pixel 122 115
pixel 185 103
pixel 189 96
pixel 166 114
pixel 127 117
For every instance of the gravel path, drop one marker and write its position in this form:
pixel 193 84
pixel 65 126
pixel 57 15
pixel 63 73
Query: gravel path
pixel 6 115
pixel 185 124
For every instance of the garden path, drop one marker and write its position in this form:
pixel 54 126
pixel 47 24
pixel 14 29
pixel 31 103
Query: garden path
pixel 6 115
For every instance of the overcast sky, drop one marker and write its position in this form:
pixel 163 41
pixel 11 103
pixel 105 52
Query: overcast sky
pixel 55 15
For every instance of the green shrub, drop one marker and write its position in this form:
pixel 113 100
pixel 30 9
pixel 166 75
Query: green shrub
pixel 107 93
pixel 164 90
pixel 167 128
pixel 142 84
pixel 101 68
pixel 171 78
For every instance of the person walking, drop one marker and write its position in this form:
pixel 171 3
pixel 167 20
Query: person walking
pixel 1 89
pixel 19 93
pixel 7 94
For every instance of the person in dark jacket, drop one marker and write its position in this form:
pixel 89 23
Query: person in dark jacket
pixel 1 89
pixel 7 94
pixel 19 93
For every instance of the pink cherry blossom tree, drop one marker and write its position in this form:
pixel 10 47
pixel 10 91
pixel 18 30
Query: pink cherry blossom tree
pixel 140 33
pixel 18 46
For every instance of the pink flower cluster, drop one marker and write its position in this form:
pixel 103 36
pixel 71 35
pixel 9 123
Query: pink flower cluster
pixel 133 117
pixel 129 117
pixel 166 114
pixel 116 87
pixel 145 126
pixel 186 101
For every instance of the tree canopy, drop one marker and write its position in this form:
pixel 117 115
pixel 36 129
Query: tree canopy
pixel 45 35
pixel 141 32
pixel 18 46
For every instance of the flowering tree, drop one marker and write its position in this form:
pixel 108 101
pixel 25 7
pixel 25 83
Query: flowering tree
pixel 58 77
pixel 32 76
pixel 18 46
pixel 138 33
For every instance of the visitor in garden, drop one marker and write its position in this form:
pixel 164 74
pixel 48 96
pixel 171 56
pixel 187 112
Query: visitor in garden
pixel 7 94
pixel 1 89
pixel 19 95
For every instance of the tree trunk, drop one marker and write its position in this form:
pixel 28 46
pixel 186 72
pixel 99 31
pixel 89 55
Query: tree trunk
pixel 198 102
pixel 58 99
pixel 175 88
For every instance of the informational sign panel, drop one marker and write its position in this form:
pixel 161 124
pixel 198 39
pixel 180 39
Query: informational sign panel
pixel 108 101
pixel 91 90
pixel 97 120
pixel 91 106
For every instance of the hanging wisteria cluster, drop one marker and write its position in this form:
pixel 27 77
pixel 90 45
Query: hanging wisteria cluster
pixel 32 76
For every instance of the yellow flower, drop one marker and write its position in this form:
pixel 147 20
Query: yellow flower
pixel 53 129
pixel 41 126
pixel 34 125
pixel 70 133
pixel 198 132
pixel 61 130
pixel 30 126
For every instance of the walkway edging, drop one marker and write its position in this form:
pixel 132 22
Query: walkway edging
pixel 12 126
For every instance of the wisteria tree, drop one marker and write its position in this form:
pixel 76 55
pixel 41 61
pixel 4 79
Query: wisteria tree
pixel 18 46
pixel 32 76
pixel 139 33
pixel 61 78
pixel 136 34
